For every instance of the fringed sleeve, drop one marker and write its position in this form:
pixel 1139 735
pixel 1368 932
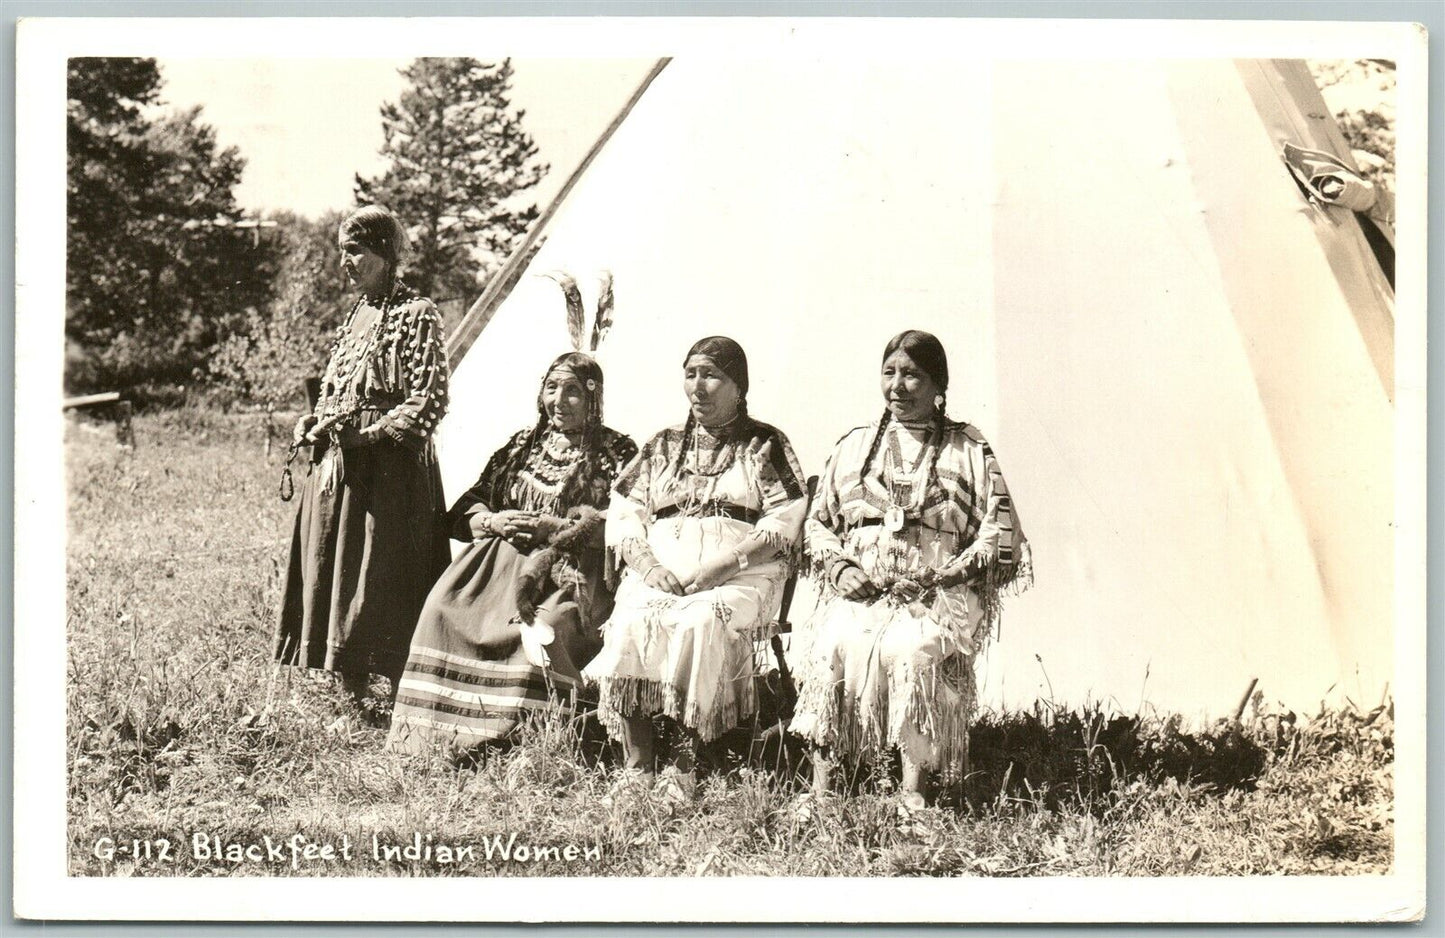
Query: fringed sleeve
pixel 621 452
pixel 999 556
pixel 630 508
pixel 822 531
pixel 587 522
pixel 616 452
pixel 783 492
pixel 420 363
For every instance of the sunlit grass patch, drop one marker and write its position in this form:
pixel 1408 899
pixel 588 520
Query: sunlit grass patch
pixel 179 724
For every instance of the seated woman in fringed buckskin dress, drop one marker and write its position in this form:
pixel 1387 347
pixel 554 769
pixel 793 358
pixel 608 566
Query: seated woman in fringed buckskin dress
pixel 706 520
pixel 513 619
pixel 912 539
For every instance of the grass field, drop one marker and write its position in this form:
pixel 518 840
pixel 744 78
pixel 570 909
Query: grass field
pixel 181 733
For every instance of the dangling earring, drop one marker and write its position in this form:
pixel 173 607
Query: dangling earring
pixel 938 402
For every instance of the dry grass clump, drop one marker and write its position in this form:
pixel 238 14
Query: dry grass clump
pixel 179 725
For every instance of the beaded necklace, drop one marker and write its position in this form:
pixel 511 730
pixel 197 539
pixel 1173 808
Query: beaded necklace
pixel 351 355
pixel 721 462
pixel 340 397
pixel 702 484
pixel 547 473
pixel 901 494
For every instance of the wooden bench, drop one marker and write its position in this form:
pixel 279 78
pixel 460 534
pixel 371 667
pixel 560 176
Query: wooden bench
pixel 121 412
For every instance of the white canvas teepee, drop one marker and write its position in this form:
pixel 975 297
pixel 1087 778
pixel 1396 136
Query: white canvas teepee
pixel 1183 363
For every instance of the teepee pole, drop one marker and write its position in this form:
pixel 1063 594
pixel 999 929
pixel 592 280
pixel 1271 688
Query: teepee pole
pixel 503 280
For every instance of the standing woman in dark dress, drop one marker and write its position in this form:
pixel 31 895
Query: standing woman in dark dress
pixel 369 538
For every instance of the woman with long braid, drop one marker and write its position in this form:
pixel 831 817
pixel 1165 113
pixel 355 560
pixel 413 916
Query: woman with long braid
pixel 912 539
pixel 508 626
pixel 367 541
pixel 706 520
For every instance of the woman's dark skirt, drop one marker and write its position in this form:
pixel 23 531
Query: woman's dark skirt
pixel 468 680
pixel 363 558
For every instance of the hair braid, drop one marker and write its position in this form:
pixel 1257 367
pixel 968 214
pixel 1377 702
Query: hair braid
pixel 877 439
pixel 688 429
pixel 939 430
pixel 592 445
pixel 572 491
pixel 516 459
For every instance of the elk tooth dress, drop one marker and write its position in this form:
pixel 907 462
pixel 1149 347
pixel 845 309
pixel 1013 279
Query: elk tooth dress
pixel 368 539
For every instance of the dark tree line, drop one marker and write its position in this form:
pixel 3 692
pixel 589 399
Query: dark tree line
pixel 167 281
pixel 156 272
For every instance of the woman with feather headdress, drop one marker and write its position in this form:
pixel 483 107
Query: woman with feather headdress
pixel 508 626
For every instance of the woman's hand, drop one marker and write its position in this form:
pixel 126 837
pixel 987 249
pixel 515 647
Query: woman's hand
pixel 546 527
pixel 511 524
pixel 481 525
pixel 714 571
pixel 302 433
pixel 350 437
pixel 965 574
pixel 528 528
pixel 907 589
pixel 661 578
pixel 852 583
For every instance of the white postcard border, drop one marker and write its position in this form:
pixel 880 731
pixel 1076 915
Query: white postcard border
pixel 42 890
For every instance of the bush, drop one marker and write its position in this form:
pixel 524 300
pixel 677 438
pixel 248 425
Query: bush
pixel 265 361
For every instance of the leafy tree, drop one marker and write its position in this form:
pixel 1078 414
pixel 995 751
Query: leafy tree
pixel 157 270
pixel 288 339
pixel 1361 94
pixel 107 165
pixel 204 269
pixel 458 160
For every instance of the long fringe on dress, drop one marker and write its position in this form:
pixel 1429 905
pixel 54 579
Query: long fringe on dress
pixel 619 697
pixel 894 699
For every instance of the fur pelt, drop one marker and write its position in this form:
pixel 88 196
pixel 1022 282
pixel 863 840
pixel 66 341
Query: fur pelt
pixel 540 570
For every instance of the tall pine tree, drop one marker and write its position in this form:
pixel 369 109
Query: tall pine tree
pixel 458 160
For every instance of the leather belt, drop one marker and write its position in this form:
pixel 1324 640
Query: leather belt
pixel 713 509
